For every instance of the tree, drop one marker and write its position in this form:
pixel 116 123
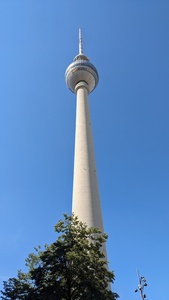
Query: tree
pixel 71 268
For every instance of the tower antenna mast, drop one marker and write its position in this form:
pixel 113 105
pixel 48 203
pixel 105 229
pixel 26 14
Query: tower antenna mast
pixel 80 42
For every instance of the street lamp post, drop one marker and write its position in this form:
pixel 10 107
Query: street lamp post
pixel 141 284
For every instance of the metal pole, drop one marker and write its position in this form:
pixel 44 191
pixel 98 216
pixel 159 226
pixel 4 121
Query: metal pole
pixel 141 284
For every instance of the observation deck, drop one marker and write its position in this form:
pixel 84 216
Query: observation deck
pixel 81 69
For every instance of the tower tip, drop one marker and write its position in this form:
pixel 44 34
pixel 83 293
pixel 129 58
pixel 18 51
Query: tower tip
pixel 80 42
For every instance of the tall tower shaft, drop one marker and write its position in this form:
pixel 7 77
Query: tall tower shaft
pixel 81 78
pixel 85 202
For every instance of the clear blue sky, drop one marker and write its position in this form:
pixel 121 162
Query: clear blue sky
pixel 128 42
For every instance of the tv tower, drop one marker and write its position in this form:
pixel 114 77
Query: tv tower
pixel 81 78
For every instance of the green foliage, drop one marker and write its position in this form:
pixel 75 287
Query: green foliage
pixel 71 268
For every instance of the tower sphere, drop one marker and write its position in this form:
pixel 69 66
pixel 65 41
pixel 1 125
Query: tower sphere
pixel 81 70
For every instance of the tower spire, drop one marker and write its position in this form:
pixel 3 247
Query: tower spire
pixel 80 42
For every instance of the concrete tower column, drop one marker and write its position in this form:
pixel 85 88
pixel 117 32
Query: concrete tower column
pixel 86 202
